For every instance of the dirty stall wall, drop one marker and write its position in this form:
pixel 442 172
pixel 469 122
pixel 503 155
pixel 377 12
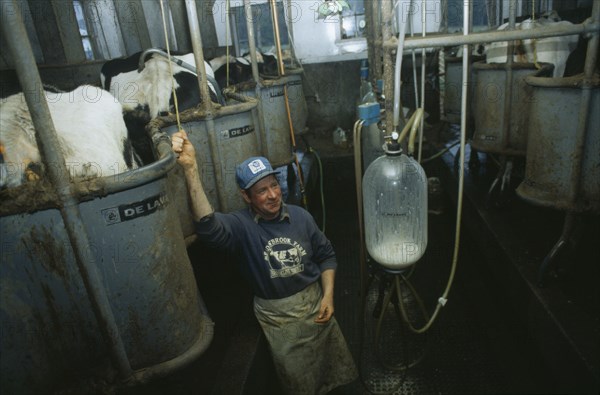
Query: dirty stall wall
pixel 336 85
pixel 331 92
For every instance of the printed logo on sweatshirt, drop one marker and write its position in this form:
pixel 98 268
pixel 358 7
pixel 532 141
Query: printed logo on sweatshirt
pixel 284 257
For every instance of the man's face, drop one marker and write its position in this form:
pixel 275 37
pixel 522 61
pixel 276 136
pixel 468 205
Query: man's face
pixel 265 197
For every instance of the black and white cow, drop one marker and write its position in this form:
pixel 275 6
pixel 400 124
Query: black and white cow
pixel 151 87
pixel 240 68
pixel 90 128
pixel 147 92
pixel 233 71
pixel 555 50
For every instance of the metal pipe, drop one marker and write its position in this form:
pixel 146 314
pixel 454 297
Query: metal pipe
pixel 423 72
pixel 290 28
pixel 192 13
pixel 47 140
pixel 401 22
pixel 508 83
pixel 288 110
pixel 377 53
pixel 214 149
pixel 388 66
pixel 584 108
pixel 442 59
pixel 256 76
pixel 206 104
pixel 252 44
pixel 447 40
pixel 370 41
pixel 280 67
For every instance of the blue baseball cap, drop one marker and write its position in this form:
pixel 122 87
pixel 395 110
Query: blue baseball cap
pixel 252 170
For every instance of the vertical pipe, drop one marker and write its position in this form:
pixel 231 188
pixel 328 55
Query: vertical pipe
pixel 215 154
pixel 274 16
pixel 192 14
pixel 413 53
pixel 463 133
pixel 290 29
pixel 20 48
pixel 377 40
pixel 423 71
pixel 388 66
pixel 255 75
pixel 442 60
pixel 399 57
pixel 206 105
pixel 370 42
pixel 281 70
pixel 584 108
pixel 508 85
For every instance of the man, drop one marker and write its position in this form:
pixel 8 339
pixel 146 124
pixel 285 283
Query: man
pixel 290 265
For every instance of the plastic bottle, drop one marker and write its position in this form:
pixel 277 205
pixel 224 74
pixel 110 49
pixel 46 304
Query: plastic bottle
pixel 395 209
pixel 372 137
pixel 366 94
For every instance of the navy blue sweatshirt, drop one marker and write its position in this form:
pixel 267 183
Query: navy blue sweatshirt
pixel 278 257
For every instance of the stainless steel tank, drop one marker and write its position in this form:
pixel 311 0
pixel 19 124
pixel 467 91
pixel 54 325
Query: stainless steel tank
pixel 277 142
pixel 553 121
pixel 222 141
pixel 452 89
pixel 497 130
pixel 50 335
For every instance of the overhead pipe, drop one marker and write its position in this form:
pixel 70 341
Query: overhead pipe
pixel 448 40
pixel 49 146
